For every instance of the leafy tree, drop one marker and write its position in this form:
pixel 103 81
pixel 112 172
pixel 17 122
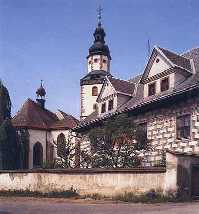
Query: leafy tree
pixel 117 143
pixel 66 152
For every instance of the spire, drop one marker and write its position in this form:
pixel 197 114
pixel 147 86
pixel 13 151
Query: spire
pixel 99 47
pixel 41 93
pixel 99 16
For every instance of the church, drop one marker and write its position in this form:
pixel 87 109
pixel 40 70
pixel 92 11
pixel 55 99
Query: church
pixel 163 99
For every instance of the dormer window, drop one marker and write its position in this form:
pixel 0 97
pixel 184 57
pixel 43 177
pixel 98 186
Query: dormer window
pixel 164 86
pixel 110 105
pixel 103 108
pixel 151 89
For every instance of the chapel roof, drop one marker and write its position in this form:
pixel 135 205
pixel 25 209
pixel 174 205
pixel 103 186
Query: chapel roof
pixel 33 116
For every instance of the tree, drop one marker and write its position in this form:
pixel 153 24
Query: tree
pixel 66 151
pixel 8 142
pixel 117 143
pixel 5 103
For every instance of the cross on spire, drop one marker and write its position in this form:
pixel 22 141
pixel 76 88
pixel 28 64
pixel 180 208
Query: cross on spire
pixel 99 10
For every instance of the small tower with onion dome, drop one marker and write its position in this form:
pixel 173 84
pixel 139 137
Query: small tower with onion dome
pixel 41 93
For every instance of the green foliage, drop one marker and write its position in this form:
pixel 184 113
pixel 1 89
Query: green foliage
pixel 117 143
pixel 66 152
pixel 8 146
pixel 5 103
pixel 22 148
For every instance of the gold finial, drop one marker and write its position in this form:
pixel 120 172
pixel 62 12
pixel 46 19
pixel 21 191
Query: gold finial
pixel 99 10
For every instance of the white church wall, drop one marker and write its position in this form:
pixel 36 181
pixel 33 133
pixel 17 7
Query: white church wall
pixel 36 136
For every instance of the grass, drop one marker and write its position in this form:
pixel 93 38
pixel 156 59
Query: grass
pixel 27 193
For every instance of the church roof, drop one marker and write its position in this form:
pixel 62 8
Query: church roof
pixel 33 116
pixel 122 86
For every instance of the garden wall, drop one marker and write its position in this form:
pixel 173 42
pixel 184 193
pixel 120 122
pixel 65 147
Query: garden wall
pixel 85 181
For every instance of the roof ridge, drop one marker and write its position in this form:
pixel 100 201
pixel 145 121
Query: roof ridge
pixel 189 50
pixel 121 80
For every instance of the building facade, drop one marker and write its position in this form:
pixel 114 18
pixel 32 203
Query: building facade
pixel 47 131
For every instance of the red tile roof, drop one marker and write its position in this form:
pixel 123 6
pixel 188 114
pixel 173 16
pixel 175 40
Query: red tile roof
pixel 33 116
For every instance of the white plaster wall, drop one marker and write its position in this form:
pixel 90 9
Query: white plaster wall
pixel 36 136
pixel 159 67
pixel 107 90
pixel 87 99
pixel 99 65
pixel 85 183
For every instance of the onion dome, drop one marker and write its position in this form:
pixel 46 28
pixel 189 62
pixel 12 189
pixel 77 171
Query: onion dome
pixel 41 91
pixel 99 47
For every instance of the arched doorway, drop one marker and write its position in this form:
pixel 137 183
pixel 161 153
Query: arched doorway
pixel 37 155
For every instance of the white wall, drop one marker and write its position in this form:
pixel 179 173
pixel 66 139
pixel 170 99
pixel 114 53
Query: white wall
pixel 36 136
pixel 87 100
pixel 99 65
pixel 159 67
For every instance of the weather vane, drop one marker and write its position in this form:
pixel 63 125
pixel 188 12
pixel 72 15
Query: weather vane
pixel 99 10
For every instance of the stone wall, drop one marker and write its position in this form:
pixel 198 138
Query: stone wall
pixel 161 128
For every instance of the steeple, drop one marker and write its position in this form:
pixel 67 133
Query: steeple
pixel 41 93
pixel 99 54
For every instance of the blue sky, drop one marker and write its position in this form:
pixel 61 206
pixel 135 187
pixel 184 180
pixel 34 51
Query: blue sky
pixel 49 40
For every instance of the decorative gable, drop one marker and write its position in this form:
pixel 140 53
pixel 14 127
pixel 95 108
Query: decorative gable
pixel 157 64
pixel 107 91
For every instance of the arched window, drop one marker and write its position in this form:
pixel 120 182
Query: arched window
pixel 61 145
pixel 94 91
pixel 37 155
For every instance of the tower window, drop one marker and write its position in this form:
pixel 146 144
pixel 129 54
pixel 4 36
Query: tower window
pixel 89 62
pixel 151 89
pixel 110 105
pixel 95 107
pixel 104 61
pixel 103 108
pixel 94 91
pixel 165 84
pixel 95 60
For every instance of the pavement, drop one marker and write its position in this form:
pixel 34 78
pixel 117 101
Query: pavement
pixel 19 205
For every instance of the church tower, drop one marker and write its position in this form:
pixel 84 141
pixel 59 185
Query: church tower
pixel 98 66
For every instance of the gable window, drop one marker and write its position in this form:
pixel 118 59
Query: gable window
pixel 94 91
pixel 151 89
pixel 164 84
pixel 103 108
pixel 183 124
pixel 110 105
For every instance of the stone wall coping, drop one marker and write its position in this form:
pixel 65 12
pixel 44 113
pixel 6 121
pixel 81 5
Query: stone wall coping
pixel 90 171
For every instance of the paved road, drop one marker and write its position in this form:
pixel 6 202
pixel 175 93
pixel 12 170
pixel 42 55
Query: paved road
pixel 63 206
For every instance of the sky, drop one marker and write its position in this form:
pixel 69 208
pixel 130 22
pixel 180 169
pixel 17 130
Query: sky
pixel 49 40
